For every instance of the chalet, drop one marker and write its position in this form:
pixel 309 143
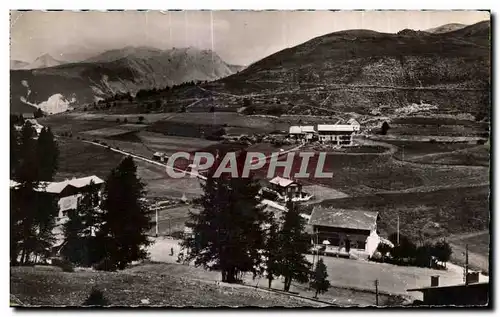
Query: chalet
pixel 302 132
pixel 67 192
pixel 345 232
pixel 354 123
pixel 339 134
pixel 282 189
pixel 472 293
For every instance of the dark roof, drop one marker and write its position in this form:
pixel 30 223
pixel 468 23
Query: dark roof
pixel 343 218
pixel 482 284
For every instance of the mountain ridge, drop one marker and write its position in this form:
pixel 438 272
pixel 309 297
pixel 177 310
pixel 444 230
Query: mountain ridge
pixel 116 71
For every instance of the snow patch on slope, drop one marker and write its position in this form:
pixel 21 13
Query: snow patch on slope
pixel 56 104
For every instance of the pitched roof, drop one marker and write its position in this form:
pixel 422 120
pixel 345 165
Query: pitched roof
pixel 308 128
pixel 280 181
pixel 85 181
pixel 336 127
pixel 352 121
pixel 58 187
pixel 295 129
pixel 343 218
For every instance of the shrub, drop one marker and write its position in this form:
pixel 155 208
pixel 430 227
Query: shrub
pixel 442 251
pixel 96 298
pixel 125 120
pixel 106 264
pixel 64 264
pixel 385 127
pixel 117 120
pixel 383 249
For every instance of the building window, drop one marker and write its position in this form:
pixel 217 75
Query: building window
pixel 361 245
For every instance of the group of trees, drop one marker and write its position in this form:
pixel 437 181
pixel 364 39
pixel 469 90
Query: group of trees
pixel 110 231
pixel 33 161
pixel 408 253
pixel 107 229
pixel 234 234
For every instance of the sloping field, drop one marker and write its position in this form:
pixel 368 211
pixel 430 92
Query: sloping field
pixel 159 184
pixel 107 132
pixel 361 174
pixel 60 124
pixel 35 286
pixel 80 159
pixel 410 150
pixel 478 247
pixel 171 144
pixel 426 215
pixel 474 156
pixel 257 123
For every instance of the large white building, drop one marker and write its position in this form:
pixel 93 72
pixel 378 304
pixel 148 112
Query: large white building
pixel 340 134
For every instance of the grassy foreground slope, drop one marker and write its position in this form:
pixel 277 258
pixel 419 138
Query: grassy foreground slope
pixel 50 287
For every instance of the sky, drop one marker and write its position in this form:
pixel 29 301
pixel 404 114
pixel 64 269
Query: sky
pixel 238 37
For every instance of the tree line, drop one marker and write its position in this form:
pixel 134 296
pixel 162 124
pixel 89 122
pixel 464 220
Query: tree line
pixel 405 252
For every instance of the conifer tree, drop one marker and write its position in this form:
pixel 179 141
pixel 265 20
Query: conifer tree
pixel 125 219
pixel 228 232
pixel 48 155
pixel 32 212
pixel 319 281
pixel 294 244
pixel 79 231
pixel 272 251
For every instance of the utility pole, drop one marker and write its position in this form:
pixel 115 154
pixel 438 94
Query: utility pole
pixel 314 255
pixel 466 264
pixel 376 292
pixel 398 229
pixel 156 222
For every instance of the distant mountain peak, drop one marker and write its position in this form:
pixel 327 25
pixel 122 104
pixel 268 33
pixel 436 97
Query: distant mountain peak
pixel 44 61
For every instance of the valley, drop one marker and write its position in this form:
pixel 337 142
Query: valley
pixel 402 120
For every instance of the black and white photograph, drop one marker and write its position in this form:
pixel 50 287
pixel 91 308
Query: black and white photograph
pixel 250 158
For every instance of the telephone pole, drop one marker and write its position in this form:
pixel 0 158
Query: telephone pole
pixel 156 222
pixel 398 229
pixel 466 271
